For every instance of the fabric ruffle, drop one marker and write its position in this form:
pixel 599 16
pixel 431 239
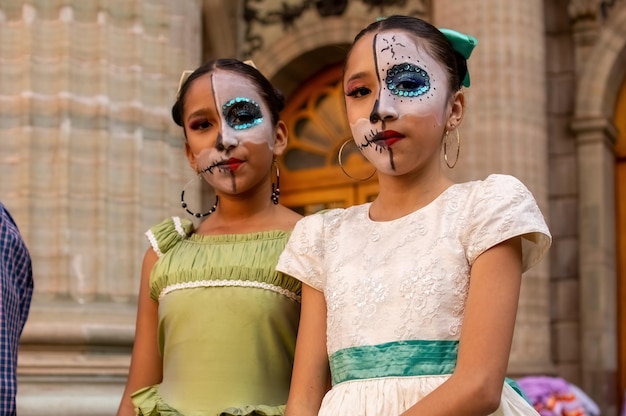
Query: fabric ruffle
pixel 191 259
pixel 148 402
pixel 260 410
pixel 168 233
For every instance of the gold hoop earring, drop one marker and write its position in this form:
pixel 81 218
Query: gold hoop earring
pixel 458 148
pixel 339 156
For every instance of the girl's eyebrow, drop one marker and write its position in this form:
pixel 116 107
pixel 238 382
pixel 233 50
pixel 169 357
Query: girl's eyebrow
pixel 358 75
pixel 198 112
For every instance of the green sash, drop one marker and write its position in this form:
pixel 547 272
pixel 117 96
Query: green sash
pixel 394 359
pixel 399 359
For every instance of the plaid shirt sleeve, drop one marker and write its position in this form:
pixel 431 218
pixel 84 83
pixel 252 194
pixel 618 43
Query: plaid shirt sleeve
pixel 16 290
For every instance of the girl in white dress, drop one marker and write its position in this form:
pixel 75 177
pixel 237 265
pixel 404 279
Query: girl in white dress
pixel 409 302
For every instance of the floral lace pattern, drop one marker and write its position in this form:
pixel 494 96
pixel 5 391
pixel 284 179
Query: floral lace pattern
pixel 408 278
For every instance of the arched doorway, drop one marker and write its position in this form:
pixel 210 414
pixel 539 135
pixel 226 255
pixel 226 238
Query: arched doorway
pixel 620 196
pixel 313 179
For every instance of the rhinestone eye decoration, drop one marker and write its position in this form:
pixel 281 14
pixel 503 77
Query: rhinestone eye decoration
pixel 407 80
pixel 242 113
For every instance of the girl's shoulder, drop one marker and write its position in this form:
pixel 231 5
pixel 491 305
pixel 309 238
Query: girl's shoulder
pixel 503 181
pixel 287 218
pixel 495 192
pixel 351 211
pixel 496 182
pixel 169 232
pixel 495 188
pixel 329 216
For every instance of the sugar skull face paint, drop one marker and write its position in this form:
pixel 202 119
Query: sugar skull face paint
pixel 228 118
pixel 407 80
pixel 242 113
pixel 394 90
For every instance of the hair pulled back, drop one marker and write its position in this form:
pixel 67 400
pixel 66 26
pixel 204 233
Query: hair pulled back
pixel 272 96
pixel 441 48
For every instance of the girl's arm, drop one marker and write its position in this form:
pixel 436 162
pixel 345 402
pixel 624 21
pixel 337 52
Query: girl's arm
pixel 311 374
pixel 146 366
pixel 475 388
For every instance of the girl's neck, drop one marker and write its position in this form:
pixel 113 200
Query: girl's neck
pixel 399 196
pixel 250 212
pixel 237 214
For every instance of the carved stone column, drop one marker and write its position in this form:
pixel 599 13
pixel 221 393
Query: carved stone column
pixel 600 42
pixel 595 138
pixel 584 15
pixel 505 131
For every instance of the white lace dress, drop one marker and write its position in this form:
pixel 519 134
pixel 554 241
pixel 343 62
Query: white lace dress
pixel 396 290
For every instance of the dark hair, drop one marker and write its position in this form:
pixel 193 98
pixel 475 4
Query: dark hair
pixel 440 46
pixel 272 96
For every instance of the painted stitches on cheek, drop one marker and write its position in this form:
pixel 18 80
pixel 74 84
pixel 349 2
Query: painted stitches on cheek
pixel 242 113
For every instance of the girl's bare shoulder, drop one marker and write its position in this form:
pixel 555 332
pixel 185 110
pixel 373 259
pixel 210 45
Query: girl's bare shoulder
pixel 287 218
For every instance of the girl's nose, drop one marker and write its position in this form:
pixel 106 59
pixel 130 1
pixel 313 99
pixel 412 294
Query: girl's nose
pixel 226 141
pixel 384 108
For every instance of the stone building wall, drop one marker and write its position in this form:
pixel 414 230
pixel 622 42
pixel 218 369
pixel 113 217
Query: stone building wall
pixel 88 160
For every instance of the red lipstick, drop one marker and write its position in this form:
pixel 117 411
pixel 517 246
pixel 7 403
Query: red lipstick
pixel 388 137
pixel 233 163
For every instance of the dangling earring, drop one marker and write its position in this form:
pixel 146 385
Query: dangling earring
pixel 196 214
pixel 339 157
pixel 458 148
pixel 276 186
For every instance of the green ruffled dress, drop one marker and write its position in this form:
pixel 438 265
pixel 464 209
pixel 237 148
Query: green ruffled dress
pixel 227 323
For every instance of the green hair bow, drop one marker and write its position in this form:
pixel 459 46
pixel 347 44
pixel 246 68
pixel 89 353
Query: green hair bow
pixel 463 44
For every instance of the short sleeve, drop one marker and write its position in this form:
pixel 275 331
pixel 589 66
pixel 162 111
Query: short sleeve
pixel 303 256
pixel 168 233
pixel 501 207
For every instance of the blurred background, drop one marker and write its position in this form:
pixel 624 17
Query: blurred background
pixel 90 159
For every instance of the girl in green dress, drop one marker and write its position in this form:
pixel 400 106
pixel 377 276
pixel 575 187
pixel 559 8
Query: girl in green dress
pixel 216 324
